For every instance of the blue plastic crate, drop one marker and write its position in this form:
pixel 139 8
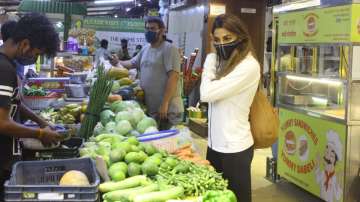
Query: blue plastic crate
pixel 38 181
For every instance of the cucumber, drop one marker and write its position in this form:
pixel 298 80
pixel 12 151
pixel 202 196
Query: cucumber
pixel 160 196
pixel 130 182
pixel 129 194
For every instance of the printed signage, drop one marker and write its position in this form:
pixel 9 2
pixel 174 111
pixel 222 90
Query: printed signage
pixel 323 25
pixel 116 29
pixel 312 154
pixel 115 24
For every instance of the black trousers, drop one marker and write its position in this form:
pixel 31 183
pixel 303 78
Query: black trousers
pixel 236 168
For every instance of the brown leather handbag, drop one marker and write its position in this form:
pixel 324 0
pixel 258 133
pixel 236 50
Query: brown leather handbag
pixel 264 121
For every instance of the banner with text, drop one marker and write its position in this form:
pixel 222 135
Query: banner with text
pixel 311 154
pixel 322 25
pixel 114 39
pixel 116 29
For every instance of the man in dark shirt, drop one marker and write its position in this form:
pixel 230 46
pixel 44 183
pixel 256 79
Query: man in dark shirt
pixel 33 35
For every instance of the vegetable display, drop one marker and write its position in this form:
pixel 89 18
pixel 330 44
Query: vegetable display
pixel 98 96
pixel 125 118
pixel 219 196
pixel 141 172
pixel 195 179
pixel 69 114
pixel 34 91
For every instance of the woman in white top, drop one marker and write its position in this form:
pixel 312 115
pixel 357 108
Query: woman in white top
pixel 229 83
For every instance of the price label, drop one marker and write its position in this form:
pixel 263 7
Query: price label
pixel 51 196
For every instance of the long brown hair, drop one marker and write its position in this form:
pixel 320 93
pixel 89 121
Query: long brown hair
pixel 235 25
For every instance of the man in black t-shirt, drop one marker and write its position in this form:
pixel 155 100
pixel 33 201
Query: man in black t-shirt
pixel 34 35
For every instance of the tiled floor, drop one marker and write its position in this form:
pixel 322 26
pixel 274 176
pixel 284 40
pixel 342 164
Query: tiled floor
pixel 264 190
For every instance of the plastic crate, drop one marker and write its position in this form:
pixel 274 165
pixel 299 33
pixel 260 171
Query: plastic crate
pixel 38 102
pixel 38 181
pixel 72 151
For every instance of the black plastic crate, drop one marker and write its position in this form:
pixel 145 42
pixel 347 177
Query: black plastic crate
pixel 38 181
pixel 72 151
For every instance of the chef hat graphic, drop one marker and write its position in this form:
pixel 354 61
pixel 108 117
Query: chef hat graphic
pixel 335 143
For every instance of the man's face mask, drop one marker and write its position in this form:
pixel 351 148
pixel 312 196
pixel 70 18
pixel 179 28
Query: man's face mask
pixel 151 36
pixel 225 50
pixel 25 55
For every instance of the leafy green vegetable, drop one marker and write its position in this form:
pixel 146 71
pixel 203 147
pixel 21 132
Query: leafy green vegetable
pixel 138 115
pixel 106 116
pixel 110 127
pixel 151 129
pixel 123 127
pixel 145 123
pixel 123 115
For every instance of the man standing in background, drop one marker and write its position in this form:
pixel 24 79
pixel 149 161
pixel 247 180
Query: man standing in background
pixel 159 63
pixel 124 52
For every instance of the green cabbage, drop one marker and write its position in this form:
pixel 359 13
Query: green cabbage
pixel 110 127
pixel 123 127
pixel 124 115
pixel 145 123
pixel 138 115
pixel 151 129
pixel 106 116
pixel 99 128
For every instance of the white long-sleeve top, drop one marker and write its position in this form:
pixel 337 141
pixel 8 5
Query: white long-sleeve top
pixel 229 101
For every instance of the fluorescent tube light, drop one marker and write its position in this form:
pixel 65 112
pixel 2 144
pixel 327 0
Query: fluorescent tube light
pixel 112 1
pixel 296 5
pixel 101 8
pixel 99 13
pixel 315 80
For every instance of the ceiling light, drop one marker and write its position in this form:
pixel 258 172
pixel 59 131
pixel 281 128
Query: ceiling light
pixel 99 13
pixel 139 5
pixel 111 1
pixel 296 6
pixel 128 9
pixel 326 81
pixel 101 8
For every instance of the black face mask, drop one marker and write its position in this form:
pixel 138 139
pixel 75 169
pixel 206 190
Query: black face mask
pixel 26 59
pixel 224 51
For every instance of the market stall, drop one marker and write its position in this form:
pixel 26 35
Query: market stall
pixel 117 154
pixel 316 89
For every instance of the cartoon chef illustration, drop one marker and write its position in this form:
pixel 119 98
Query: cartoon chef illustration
pixel 330 189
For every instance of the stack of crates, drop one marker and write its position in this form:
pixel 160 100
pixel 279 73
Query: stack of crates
pixel 34 181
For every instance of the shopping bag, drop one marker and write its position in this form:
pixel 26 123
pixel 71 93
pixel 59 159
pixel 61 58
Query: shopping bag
pixel 264 121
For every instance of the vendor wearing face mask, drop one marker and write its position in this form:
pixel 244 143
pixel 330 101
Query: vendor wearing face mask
pixel 33 35
pixel 229 83
pixel 159 64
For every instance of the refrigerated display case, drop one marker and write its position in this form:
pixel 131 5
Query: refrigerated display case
pixel 316 86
